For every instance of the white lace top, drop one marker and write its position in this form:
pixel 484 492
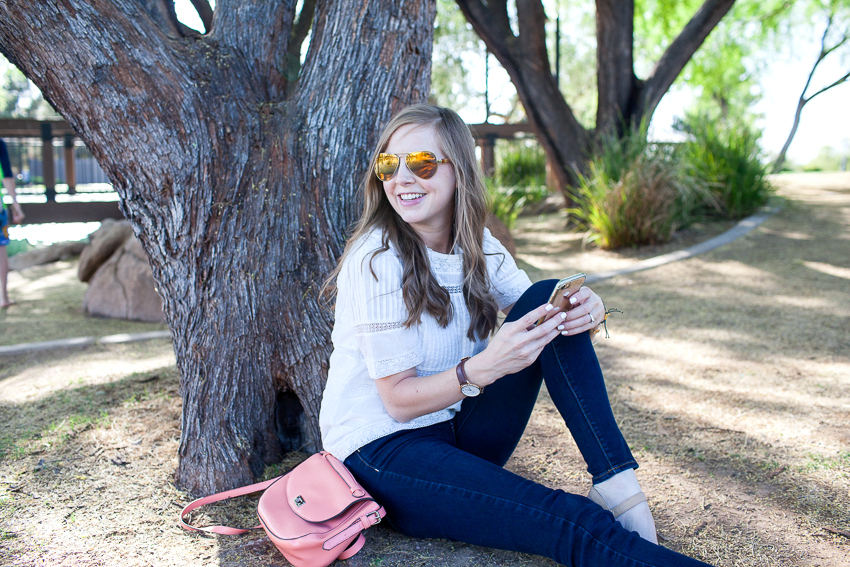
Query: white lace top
pixel 371 342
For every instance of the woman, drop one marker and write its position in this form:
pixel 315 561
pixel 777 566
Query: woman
pixel 424 411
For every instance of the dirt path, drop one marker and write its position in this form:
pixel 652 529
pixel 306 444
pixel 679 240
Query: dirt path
pixel 729 373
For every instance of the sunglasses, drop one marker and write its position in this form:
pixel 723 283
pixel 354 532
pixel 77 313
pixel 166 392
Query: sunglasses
pixel 421 164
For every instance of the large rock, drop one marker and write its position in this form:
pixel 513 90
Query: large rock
pixel 104 242
pixel 48 254
pixel 123 287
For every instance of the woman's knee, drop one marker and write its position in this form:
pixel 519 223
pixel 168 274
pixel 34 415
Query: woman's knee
pixel 535 296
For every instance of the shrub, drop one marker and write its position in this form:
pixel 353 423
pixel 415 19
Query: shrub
pixel 507 202
pixel 522 167
pixel 727 158
pixel 635 193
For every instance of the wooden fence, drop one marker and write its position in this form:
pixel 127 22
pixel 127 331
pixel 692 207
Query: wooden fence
pixel 47 131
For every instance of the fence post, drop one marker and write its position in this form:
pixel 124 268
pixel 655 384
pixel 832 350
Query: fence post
pixel 488 154
pixel 47 167
pixel 70 165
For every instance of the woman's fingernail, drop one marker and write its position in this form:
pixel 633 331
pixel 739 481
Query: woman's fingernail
pixel 563 315
pixel 573 300
pixel 549 307
pixel 565 333
pixel 560 327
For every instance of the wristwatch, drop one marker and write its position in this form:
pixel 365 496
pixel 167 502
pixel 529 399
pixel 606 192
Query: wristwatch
pixel 467 388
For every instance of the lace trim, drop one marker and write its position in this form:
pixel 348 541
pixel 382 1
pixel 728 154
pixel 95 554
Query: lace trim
pixel 390 366
pixel 446 264
pixel 376 327
pixel 453 288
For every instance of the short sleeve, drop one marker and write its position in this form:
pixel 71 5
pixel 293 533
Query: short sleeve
pixel 377 311
pixel 507 281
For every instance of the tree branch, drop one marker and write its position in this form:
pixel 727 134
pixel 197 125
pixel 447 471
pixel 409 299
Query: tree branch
pixel 679 52
pixel 262 48
pixel 204 12
pixel 835 84
pixel 163 14
pixel 120 59
pixel 803 100
pixel 564 139
pixel 532 34
pixel 492 25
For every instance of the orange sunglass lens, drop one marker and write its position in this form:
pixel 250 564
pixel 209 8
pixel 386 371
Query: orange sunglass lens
pixel 386 166
pixel 422 164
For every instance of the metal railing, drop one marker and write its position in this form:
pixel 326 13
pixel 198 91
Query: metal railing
pixel 44 153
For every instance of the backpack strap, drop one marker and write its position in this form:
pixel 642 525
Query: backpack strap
pixel 259 487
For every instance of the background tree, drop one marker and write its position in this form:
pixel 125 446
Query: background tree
pixel 518 40
pixel 459 57
pixel 834 17
pixel 239 174
pixel 723 74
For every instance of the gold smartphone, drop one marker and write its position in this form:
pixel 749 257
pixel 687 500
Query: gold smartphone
pixel 560 297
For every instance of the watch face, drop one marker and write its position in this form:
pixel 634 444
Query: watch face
pixel 470 390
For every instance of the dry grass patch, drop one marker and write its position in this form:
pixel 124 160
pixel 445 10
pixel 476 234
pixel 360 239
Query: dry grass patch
pixel 729 374
pixel 49 306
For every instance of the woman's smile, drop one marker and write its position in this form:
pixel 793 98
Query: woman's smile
pixel 427 205
pixel 409 197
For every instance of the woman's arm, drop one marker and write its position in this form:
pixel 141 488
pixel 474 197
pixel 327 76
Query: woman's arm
pixel 407 396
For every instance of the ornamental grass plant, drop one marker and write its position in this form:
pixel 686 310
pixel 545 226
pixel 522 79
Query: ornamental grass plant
pixel 520 180
pixel 725 155
pixel 635 192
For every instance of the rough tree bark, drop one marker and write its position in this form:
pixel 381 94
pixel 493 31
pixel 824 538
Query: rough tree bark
pixel 623 98
pixel 239 186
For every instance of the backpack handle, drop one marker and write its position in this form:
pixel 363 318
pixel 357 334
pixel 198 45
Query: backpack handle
pixel 226 495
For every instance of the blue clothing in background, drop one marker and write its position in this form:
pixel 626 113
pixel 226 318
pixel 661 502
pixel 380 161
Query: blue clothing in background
pixel 7 172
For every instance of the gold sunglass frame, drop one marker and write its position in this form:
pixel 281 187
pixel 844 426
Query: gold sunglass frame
pixel 431 159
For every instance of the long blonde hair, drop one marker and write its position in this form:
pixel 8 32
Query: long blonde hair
pixel 420 289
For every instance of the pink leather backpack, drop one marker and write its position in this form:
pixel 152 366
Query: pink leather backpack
pixel 314 514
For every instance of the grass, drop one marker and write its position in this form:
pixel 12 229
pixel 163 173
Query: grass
pixel 728 374
pixel 48 306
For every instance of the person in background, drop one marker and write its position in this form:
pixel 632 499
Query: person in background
pixel 16 217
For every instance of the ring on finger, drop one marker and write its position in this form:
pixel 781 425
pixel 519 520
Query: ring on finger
pixel 591 317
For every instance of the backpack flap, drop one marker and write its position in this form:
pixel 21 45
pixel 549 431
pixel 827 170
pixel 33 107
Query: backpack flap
pixel 321 488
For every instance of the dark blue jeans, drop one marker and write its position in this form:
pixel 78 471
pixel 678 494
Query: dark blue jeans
pixel 448 481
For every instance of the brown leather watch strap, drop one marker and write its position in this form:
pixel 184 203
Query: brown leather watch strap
pixel 461 373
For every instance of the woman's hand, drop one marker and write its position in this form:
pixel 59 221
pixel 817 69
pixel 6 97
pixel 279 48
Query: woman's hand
pixel 515 346
pixel 588 312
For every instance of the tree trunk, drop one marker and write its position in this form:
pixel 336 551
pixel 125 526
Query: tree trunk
pixel 780 159
pixel 615 77
pixel 524 57
pixel 239 187
pixel 623 99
